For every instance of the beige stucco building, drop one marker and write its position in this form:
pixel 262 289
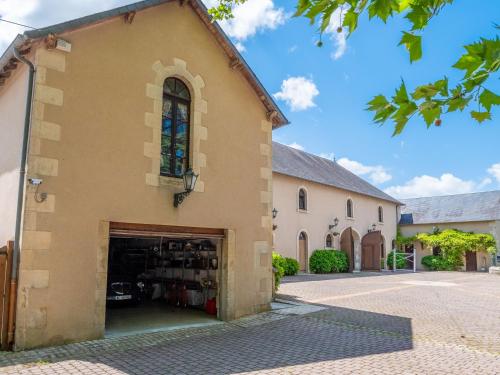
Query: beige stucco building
pixel 97 142
pixel 312 194
pixel 476 212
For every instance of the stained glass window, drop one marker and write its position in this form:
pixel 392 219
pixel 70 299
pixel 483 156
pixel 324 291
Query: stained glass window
pixel 175 128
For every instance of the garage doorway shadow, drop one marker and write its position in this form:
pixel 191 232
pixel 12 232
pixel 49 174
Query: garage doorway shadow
pixel 331 334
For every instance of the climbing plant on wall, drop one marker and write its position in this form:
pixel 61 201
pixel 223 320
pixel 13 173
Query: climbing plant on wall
pixel 454 243
pixel 402 240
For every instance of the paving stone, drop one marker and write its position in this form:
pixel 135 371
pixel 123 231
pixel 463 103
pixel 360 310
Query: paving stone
pixel 379 323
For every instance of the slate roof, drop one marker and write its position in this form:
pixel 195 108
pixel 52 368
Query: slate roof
pixel 300 164
pixel 451 208
pixel 23 41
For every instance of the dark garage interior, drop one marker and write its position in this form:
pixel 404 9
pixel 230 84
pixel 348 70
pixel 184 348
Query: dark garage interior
pixel 161 283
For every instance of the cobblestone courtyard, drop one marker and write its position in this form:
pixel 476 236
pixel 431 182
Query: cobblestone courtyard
pixel 424 323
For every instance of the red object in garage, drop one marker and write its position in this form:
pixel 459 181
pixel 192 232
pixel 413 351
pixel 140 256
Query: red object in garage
pixel 211 307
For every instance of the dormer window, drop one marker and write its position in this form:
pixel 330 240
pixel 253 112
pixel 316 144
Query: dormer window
pixel 349 209
pixel 175 128
pixel 302 199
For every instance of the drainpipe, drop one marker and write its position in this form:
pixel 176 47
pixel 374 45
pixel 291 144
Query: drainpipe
pixel 20 197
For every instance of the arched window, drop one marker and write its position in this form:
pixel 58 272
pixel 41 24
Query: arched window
pixel 329 240
pixel 380 214
pixel 349 208
pixel 175 128
pixel 302 199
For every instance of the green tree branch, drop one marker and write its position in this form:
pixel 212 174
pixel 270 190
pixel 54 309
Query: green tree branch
pixel 430 101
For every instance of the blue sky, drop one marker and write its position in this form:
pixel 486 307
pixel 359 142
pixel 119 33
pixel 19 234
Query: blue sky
pixel 328 93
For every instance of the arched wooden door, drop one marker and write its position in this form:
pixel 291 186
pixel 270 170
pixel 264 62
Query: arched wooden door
pixel 347 246
pixel 370 251
pixel 303 251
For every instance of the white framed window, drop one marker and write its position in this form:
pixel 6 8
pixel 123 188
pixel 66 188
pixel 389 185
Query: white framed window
pixel 349 208
pixel 329 241
pixel 302 199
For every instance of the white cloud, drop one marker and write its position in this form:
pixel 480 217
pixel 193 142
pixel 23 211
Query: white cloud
pixel 376 173
pixel 494 170
pixel 298 93
pixel 339 39
pixel 39 13
pixel 426 186
pixel 11 11
pixel 293 48
pixel 296 146
pixel 327 155
pixel 240 47
pixel 251 17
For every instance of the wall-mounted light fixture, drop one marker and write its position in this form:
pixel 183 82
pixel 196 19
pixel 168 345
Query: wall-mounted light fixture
pixel 189 178
pixel 275 213
pixel 335 223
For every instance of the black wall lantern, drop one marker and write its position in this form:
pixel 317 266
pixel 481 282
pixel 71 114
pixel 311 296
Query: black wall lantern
pixel 189 178
pixel 335 223
pixel 275 213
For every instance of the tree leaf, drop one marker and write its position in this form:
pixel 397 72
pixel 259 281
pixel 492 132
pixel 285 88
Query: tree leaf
pixel 458 103
pixel 419 17
pixel 351 20
pixel 400 125
pixel 468 63
pixel 431 113
pixel 413 44
pixel 382 9
pixel 302 6
pixel 401 95
pixel 424 91
pixel 488 99
pixel 442 86
pixel 480 116
pixel 377 102
pixel 382 108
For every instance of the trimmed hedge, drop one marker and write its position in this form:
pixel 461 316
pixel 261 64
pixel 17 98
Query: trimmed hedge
pixel 291 266
pixel 279 265
pixel 438 263
pixel 400 260
pixel 328 261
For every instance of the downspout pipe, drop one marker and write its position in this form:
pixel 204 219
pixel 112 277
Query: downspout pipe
pixel 20 197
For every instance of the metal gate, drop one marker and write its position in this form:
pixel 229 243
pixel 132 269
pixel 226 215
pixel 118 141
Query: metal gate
pixel 409 257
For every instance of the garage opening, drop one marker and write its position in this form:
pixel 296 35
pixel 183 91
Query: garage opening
pixel 161 280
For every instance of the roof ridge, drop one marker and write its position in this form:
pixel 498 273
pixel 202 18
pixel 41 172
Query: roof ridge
pixel 453 195
pixel 309 153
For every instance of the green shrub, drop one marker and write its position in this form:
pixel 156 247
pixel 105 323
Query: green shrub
pixel 279 264
pixel 438 263
pixel 327 261
pixel 400 260
pixel 291 266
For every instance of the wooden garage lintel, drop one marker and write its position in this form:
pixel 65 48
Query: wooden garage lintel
pixel 162 229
